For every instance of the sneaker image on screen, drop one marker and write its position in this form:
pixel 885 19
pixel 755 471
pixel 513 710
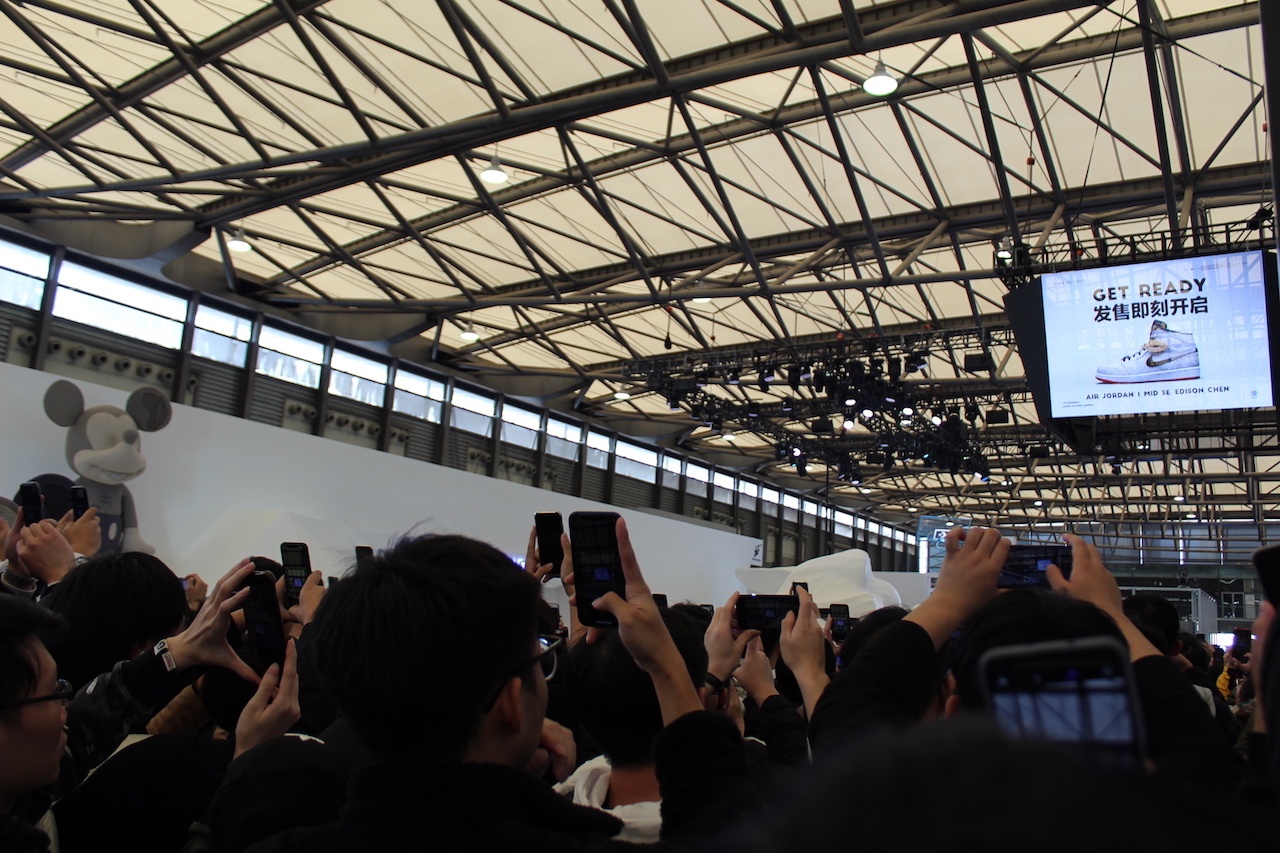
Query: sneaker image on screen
pixel 1168 355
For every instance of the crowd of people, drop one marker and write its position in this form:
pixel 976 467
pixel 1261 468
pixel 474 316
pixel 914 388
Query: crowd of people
pixel 431 699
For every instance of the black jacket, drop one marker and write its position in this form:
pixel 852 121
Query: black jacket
pixel 470 807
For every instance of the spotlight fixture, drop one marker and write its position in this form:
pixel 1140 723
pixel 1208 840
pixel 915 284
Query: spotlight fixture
pixel 1179 498
pixel 881 83
pixel 494 173
pixel 238 242
pixel 788 405
pixel 848 424
pixel 621 395
pixel 469 334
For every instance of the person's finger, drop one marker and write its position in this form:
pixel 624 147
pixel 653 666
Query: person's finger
pixel 788 623
pixel 232 580
pixel 531 549
pixel 316 578
pixel 611 603
pixel 636 585
pixel 19 521
pixel 1057 582
pixel 955 540
pixel 266 690
pixel 235 602
pixel 566 564
pixel 289 675
pixel 594 634
pixel 67 518
pixel 744 639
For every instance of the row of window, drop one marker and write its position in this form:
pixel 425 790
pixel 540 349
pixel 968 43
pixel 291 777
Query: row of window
pixel 104 301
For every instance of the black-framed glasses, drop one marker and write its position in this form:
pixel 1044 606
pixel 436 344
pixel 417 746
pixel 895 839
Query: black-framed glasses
pixel 547 659
pixel 64 695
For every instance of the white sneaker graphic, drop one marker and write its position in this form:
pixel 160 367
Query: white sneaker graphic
pixel 1168 355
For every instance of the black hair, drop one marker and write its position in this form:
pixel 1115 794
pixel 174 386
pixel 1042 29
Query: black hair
pixel 1194 650
pixel 696 612
pixel 614 699
pixel 861 631
pixel 1021 615
pixel 1149 609
pixel 414 641
pixel 21 621
pixel 113 603
pixel 266 564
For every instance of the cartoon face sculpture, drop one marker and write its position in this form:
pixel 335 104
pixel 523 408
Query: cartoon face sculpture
pixel 104 447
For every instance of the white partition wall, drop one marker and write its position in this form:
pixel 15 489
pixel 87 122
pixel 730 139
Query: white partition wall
pixel 219 487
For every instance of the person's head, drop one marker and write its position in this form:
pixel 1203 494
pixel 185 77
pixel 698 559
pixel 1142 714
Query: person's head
pixel 429 649
pixel 117 605
pixel 1194 650
pixel 615 700
pixel 32 711
pixel 1149 610
pixel 1018 616
pixel 861 631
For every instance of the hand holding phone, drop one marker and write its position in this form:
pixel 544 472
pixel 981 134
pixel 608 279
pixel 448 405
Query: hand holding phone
pixel 32 502
pixel 597 564
pixel 839 616
pixel 1028 565
pixel 263 629
pixel 762 612
pixel 79 501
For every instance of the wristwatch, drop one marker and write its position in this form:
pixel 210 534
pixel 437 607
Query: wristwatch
pixel 161 651
pixel 714 683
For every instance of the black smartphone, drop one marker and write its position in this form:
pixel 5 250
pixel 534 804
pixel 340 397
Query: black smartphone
pixel 795 584
pixel 79 500
pixel 333 581
pixel 1267 562
pixel 549 526
pixel 1027 565
pixel 263 630
pixel 1242 644
pixel 1079 691
pixel 839 616
pixel 660 599
pixel 597 566
pixel 31 501
pixel 296 560
pixel 762 612
pixel 710 608
pixel 363 553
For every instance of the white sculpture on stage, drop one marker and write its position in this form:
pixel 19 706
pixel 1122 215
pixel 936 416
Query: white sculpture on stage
pixel 841 577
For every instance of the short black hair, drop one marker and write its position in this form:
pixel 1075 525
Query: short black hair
pixel 21 621
pixel 414 641
pixel 862 630
pixel 1193 650
pixel 113 603
pixel 1150 609
pixel 614 699
pixel 1021 615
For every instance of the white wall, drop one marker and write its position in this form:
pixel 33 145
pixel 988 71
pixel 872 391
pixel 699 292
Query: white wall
pixel 218 487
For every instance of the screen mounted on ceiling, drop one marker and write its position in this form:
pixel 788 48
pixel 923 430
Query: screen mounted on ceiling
pixel 1169 336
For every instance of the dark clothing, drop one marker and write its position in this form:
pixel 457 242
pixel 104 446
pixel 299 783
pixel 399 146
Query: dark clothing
pixel 490 807
pixel 781 728
pixel 894 677
pixel 18 836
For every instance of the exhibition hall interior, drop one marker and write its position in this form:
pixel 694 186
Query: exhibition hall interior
pixel 821 275
pixel 725 425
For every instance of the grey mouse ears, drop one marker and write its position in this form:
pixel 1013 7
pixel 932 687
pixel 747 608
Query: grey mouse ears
pixel 148 407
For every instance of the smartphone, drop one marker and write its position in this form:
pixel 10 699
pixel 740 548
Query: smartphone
pixel 1027 565
pixel 1243 643
pixel 1267 562
pixel 79 500
pixel 31 501
pixel 839 622
pixel 296 560
pixel 710 608
pixel 263 630
pixel 660 599
pixel 363 553
pixel 549 526
pixel 1079 691
pixel 795 584
pixel 333 581
pixel 762 612
pixel 597 566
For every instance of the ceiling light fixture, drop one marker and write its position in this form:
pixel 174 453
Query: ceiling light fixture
pixel 494 173
pixel 469 334
pixel 621 395
pixel 881 83
pixel 238 242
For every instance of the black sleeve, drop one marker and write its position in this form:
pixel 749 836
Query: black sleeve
pixel 1182 738
pixel 783 731
pixel 702 775
pixel 891 682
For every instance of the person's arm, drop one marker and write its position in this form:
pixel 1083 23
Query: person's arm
pixel 725 645
pixel 803 650
pixel 967 581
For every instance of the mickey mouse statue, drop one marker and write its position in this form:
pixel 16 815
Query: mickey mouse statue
pixel 104 448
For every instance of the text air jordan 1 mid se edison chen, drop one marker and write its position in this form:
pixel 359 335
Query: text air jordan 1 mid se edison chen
pixel 1167 355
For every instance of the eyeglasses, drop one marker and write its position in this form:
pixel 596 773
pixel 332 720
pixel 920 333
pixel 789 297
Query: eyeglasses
pixel 64 695
pixel 547 659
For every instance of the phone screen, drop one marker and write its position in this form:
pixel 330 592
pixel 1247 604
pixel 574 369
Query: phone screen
pixel 1267 562
pixel 839 622
pixel 1077 691
pixel 79 500
pixel 549 526
pixel 597 567
pixel 32 504
pixel 296 560
pixel 263 630
pixel 1027 565
pixel 660 599
pixel 762 612
pixel 363 553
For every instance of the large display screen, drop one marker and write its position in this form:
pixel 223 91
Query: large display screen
pixel 1170 336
